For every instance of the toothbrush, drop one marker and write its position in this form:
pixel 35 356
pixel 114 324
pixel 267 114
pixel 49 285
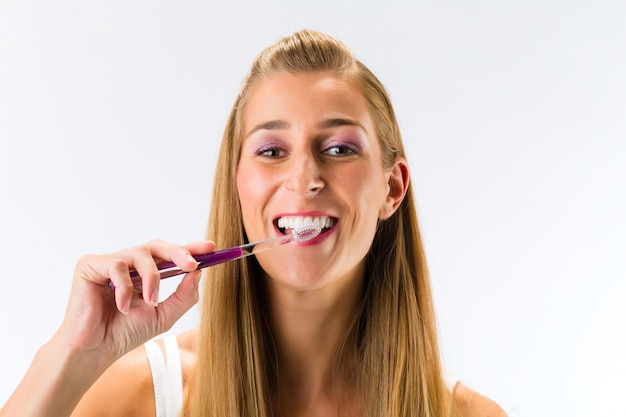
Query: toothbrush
pixel 300 234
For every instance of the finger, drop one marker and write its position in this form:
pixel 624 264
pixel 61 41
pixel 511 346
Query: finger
pixel 148 272
pixel 144 260
pixel 179 302
pixel 100 271
pixel 165 251
pixel 200 248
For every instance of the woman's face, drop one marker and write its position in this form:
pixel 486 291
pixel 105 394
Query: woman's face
pixel 310 153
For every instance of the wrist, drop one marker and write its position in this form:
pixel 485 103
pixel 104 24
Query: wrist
pixel 57 379
pixel 78 367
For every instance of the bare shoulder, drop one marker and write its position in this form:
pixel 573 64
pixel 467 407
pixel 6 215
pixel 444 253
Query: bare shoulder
pixel 473 404
pixel 125 389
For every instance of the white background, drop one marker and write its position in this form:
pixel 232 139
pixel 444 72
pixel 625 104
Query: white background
pixel 513 114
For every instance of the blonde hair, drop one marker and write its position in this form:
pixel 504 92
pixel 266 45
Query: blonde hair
pixel 394 338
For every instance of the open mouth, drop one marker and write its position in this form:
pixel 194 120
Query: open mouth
pixel 286 224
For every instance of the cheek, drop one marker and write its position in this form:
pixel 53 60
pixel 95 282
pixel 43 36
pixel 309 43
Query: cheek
pixel 372 190
pixel 246 186
pixel 253 187
pixel 247 190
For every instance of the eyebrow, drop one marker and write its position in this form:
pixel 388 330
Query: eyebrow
pixel 325 124
pixel 271 125
pixel 340 121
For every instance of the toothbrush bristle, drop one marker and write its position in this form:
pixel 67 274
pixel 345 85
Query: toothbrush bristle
pixel 306 232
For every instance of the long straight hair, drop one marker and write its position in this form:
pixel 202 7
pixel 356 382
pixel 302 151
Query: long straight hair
pixel 393 341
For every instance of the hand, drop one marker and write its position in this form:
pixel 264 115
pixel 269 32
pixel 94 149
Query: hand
pixel 101 325
pixel 111 323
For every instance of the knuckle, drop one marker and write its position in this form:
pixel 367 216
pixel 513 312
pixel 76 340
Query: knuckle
pixel 143 249
pixel 125 287
pixel 152 276
pixel 85 259
pixel 155 242
pixel 119 265
pixel 142 253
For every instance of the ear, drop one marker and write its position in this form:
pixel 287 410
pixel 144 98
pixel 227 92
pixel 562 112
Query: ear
pixel 398 185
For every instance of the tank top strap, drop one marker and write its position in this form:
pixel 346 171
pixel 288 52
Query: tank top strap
pixel 167 377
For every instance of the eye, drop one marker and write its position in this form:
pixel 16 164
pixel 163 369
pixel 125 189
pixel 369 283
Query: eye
pixel 271 152
pixel 340 150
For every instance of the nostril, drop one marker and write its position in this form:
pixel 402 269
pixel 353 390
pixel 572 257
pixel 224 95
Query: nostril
pixel 314 187
pixel 303 177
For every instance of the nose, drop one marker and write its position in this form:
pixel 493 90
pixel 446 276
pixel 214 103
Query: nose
pixel 303 176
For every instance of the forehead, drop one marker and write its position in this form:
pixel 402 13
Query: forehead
pixel 307 97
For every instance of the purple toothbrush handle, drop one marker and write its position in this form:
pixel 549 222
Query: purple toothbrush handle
pixel 218 257
pixel 208 259
pixel 169 269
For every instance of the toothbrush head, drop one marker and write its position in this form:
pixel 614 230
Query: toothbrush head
pixel 305 232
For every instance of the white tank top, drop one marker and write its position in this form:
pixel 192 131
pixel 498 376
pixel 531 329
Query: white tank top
pixel 167 377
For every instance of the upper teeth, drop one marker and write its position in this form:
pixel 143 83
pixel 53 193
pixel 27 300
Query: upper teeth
pixel 302 221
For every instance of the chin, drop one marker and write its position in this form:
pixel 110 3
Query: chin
pixel 303 280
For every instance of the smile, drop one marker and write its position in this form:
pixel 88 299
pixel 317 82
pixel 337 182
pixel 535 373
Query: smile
pixel 287 223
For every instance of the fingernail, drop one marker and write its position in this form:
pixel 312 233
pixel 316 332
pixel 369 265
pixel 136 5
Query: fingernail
pixel 125 308
pixel 191 258
pixel 154 297
pixel 196 280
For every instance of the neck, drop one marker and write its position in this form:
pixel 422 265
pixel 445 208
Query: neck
pixel 309 328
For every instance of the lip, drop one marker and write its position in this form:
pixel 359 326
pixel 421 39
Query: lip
pixel 316 240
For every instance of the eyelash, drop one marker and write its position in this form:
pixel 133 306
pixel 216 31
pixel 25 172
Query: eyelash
pixel 336 150
pixel 265 152
pixel 347 150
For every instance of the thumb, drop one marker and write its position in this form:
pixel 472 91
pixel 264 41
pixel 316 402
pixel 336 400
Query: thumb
pixel 178 303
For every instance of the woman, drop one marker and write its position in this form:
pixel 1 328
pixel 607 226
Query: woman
pixel 339 325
